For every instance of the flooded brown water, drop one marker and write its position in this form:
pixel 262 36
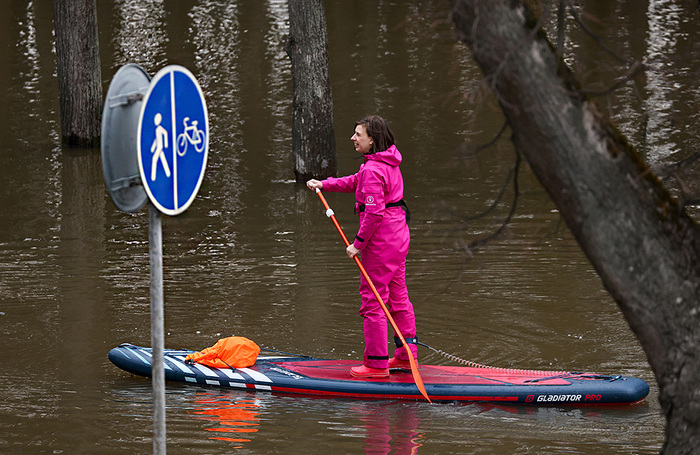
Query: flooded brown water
pixel 255 256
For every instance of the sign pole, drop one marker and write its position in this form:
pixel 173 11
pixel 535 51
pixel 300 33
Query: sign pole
pixel 155 237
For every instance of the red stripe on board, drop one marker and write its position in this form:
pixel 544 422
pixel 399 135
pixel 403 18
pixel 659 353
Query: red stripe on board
pixel 339 370
pixel 416 396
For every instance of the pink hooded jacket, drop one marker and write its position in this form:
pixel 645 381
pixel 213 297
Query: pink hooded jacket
pixel 377 183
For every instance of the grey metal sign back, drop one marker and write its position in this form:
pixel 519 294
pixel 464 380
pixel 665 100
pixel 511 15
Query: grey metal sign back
pixel 120 119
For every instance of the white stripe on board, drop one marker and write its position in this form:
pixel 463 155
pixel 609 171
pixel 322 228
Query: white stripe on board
pixel 256 375
pixel 150 354
pixel 231 374
pixel 205 370
pixel 136 353
pixel 181 365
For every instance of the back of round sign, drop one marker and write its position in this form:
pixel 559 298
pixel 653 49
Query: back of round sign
pixel 119 137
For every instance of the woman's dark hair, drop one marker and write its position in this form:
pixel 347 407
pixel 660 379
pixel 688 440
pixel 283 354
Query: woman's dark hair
pixel 379 131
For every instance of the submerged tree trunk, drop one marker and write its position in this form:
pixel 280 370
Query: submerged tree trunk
pixel 643 245
pixel 79 75
pixel 313 136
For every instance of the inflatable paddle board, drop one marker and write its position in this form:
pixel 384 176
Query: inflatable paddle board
pixel 331 378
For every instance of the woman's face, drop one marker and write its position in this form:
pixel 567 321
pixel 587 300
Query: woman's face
pixel 362 141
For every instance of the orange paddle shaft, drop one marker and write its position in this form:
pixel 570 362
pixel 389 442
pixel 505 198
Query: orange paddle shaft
pixel 414 368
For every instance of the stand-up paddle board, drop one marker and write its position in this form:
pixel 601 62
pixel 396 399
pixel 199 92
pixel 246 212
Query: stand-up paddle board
pixel 331 378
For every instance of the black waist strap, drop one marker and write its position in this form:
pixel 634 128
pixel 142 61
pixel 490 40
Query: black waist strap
pixel 400 203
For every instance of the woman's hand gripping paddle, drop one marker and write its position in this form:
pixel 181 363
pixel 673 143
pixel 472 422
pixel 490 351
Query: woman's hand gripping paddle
pixel 414 368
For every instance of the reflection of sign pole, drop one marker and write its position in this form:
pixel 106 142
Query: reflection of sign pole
pixel 173 116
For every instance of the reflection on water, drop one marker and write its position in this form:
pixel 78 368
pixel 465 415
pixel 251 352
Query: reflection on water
pixel 237 418
pixel 29 74
pixel 140 33
pixel 389 428
pixel 664 21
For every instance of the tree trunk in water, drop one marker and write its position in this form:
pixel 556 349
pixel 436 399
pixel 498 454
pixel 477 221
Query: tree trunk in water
pixel 79 75
pixel 313 136
pixel 643 245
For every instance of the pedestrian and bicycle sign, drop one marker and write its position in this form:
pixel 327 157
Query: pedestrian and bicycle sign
pixel 173 139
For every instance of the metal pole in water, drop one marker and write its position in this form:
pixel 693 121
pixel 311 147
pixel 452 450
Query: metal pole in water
pixel 155 237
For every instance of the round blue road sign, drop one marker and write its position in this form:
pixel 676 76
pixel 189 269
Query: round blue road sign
pixel 173 140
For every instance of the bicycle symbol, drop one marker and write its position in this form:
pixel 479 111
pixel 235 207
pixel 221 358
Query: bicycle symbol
pixel 191 135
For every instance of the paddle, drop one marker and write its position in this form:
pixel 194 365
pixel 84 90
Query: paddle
pixel 414 368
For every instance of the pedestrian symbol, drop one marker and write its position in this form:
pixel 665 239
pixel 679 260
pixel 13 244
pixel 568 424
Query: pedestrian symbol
pixel 160 143
pixel 173 121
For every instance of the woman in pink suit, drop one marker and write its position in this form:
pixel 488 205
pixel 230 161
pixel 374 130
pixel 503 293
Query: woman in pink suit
pixel 382 240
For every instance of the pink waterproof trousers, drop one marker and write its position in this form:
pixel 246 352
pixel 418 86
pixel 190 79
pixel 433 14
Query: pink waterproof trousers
pixel 385 261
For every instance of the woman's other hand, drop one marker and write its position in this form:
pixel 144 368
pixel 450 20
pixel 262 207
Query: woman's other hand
pixel 351 251
pixel 314 184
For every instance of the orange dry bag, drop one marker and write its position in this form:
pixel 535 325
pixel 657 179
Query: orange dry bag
pixel 231 352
